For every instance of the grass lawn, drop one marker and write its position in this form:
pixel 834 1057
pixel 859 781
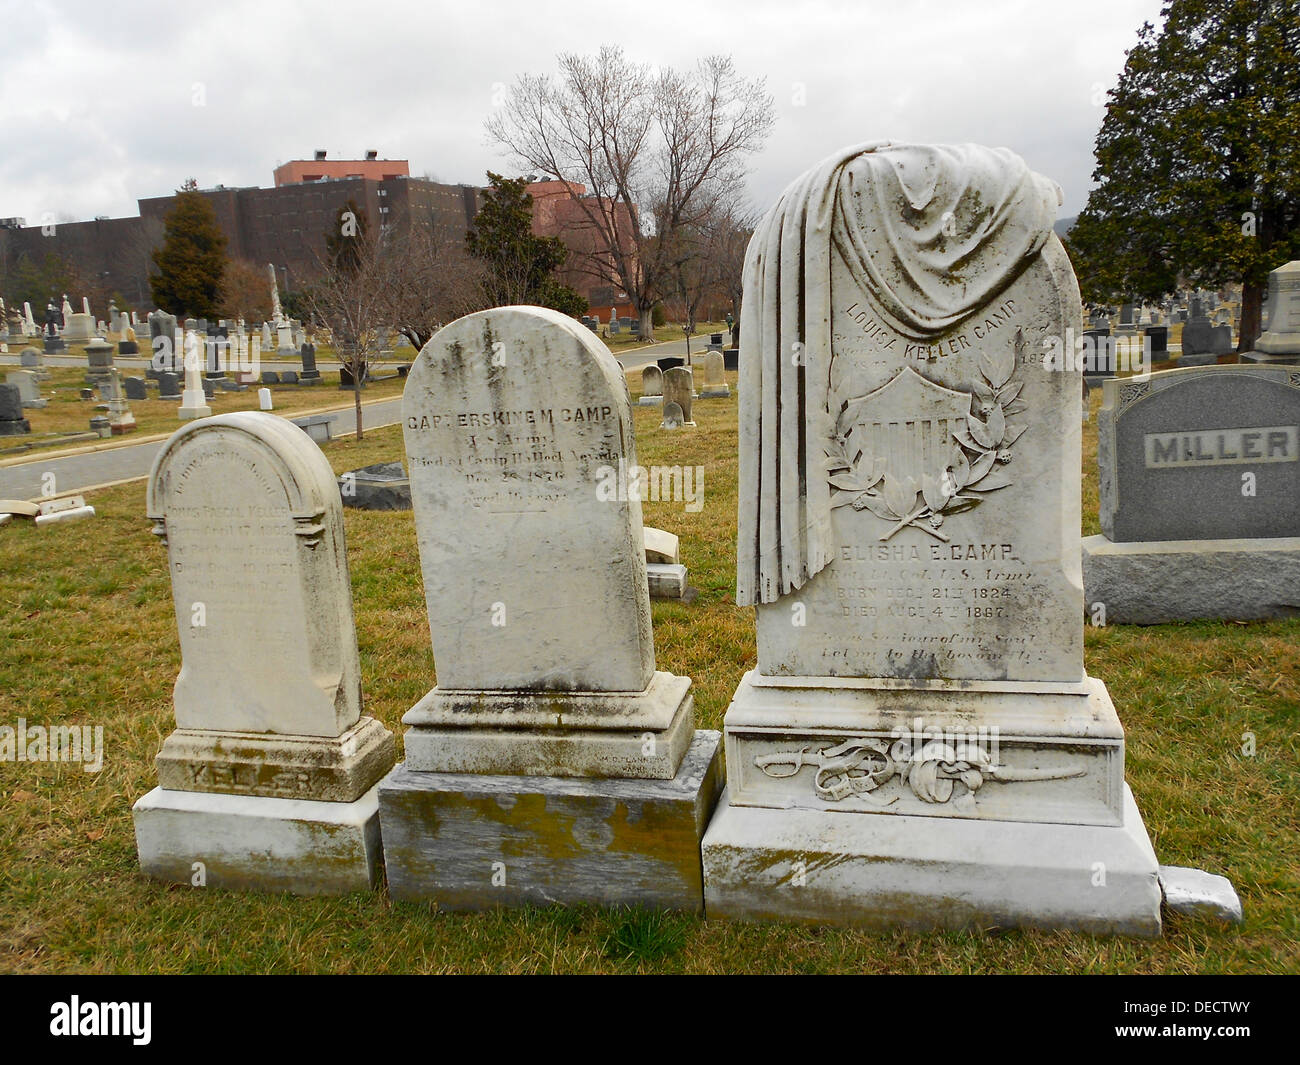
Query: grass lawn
pixel 67 412
pixel 87 636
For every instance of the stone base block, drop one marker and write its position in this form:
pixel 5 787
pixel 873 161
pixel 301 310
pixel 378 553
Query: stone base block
pixel 821 867
pixel 1199 358
pixel 249 843
pixel 650 401
pixel 666 580
pixel 984 750
pixel 722 392
pixel 324 768
pixel 470 842
pixel 560 734
pixel 1178 580
pixel 1278 357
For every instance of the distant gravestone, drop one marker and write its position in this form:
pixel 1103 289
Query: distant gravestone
pixel 29 390
pixel 99 361
pixel 1158 341
pixel 672 416
pixel 79 327
pixel 652 386
pixel 162 344
pixel 269 776
pixel 270 377
pixel 1280 341
pixel 310 374
pixel 169 385
pixel 12 422
pixel 288 377
pixel 135 388
pixel 1199 483
pixel 519 440
pixel 383 486
pixel 715 381
pixel 678 389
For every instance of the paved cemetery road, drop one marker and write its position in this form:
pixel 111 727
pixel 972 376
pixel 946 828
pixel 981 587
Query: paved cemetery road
pixel 76 473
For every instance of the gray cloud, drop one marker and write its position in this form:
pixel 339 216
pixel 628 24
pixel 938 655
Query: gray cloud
pixel 108 103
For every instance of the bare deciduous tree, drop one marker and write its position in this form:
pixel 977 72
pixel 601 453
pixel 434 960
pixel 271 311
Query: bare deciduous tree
pixel 350 300
pixel 659 153
pixel 414 283
pixel 432 280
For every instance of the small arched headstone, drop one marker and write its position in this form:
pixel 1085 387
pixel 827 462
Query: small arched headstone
pixel 269 777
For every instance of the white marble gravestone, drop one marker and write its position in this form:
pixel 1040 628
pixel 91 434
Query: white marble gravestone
pixel 269 779
pixel 919 743
pixel 1280 341
pixel 652 387
pixel 715 379
pixel 550 733
pixel 194 401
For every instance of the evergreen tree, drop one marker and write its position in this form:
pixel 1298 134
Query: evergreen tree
pixel 192 258
pixel 1198 158
pixel 519 263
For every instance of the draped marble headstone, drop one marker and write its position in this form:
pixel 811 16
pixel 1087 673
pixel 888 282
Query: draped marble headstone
pixel 919 729
pixel 269 776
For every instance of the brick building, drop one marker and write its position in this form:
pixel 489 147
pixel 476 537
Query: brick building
pixel 286 225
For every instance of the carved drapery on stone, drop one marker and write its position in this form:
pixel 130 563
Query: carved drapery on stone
pixel 934 233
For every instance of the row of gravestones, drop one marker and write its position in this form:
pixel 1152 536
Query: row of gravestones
pixel 919 742
pixel 673 389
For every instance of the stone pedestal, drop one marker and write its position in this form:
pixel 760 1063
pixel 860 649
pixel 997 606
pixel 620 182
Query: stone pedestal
pixel 247 843
pixel 477 841
pixel 927 873
pixel 929 804
pixel 1149 583
pixel 1264 358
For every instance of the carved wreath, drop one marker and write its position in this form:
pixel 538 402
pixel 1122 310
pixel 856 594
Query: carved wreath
pixel 979 449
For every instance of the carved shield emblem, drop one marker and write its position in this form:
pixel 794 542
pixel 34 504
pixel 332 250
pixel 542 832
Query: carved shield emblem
pixel 907 426
pixel 914 451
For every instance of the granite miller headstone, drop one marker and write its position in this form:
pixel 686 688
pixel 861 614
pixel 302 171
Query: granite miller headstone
pixel 1199 480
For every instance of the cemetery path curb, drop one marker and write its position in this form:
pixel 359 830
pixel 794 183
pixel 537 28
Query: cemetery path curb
pixel 38 455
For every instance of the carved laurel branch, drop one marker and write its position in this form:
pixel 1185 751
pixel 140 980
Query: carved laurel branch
pixel 984 444
pixel 932 769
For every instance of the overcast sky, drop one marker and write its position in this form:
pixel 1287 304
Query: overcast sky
pixel 104 103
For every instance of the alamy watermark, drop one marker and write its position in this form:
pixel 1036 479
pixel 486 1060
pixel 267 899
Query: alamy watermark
pixel 675 484
pixel 53 743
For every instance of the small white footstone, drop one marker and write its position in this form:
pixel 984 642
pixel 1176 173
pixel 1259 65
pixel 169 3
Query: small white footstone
pixel 250 843
pixel 1200 894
